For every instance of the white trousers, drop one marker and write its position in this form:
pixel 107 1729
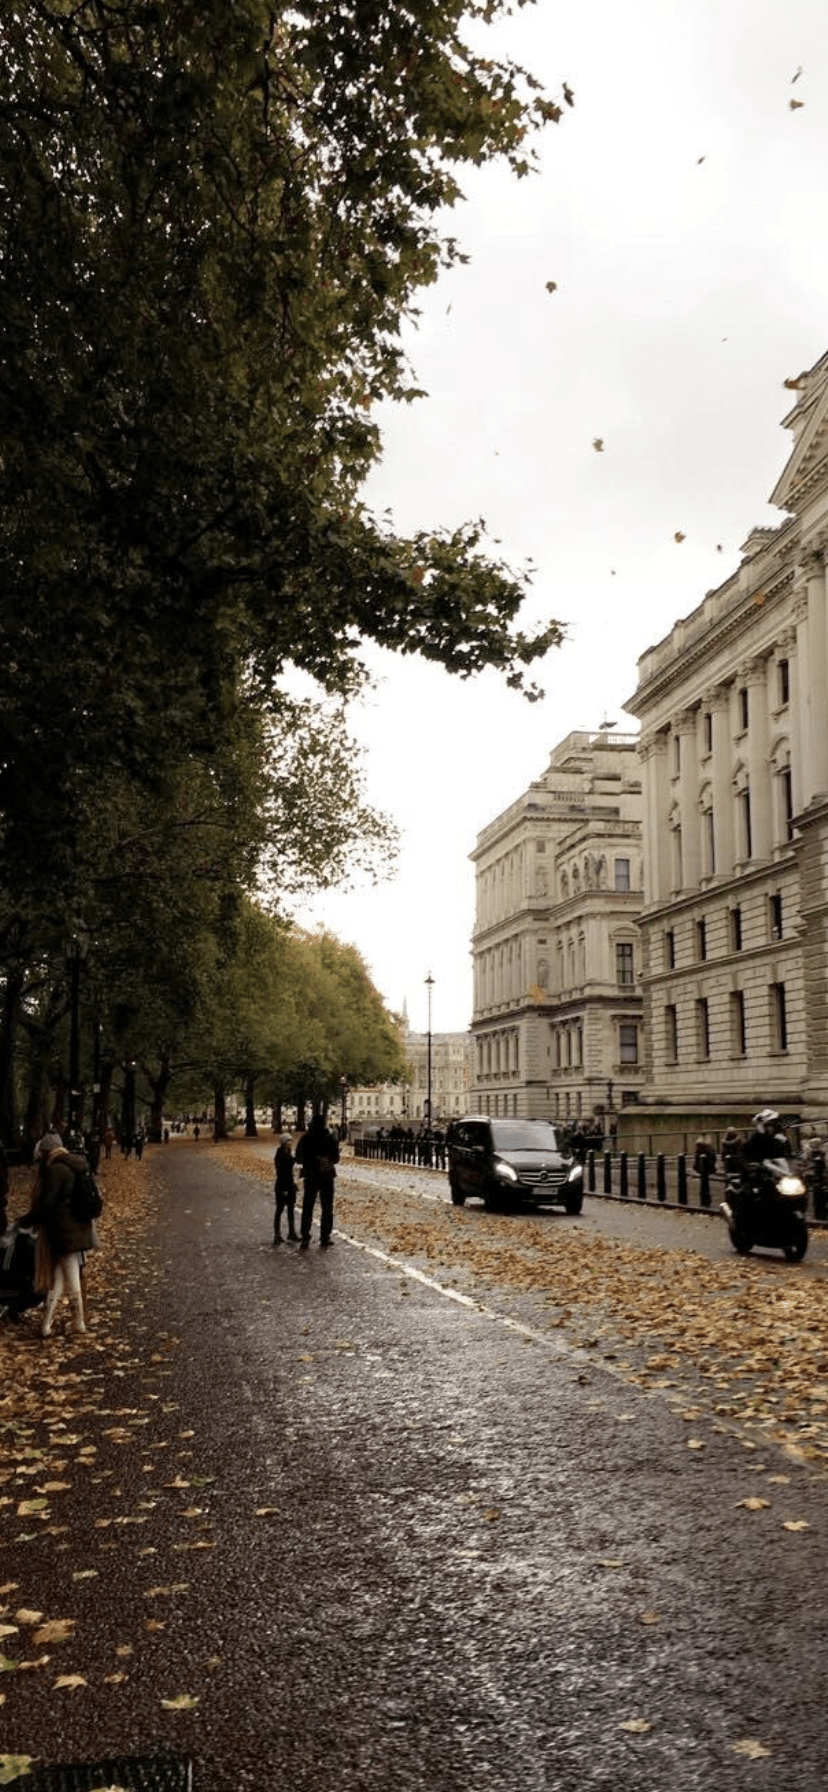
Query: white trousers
pixel 66 1280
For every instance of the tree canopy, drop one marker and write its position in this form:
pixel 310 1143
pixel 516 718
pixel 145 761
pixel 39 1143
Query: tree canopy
pixel 214 221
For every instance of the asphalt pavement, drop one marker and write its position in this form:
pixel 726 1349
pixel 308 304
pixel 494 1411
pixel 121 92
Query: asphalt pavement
pixel 429 1548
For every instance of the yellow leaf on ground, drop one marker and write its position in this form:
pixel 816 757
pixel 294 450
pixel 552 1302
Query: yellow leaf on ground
pixel 13 1767
pixel 58 1630
pixel 637 1725
pixel 753 1504
pixel 70 1681
pixel 649 1618
pixel 750 1748
pixel 796 1524
pixel 183 1702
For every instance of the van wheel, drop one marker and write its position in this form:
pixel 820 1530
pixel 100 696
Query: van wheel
pixel 574 1203
pixel 491 1201
pixel 458 1198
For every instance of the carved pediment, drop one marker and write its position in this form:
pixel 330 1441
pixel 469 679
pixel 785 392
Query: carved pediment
pixel 807 469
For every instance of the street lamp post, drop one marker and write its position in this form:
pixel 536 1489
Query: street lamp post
pixel 429 983
pixel 77 953
pixel 343 1096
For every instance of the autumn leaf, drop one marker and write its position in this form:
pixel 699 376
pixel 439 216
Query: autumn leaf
pixel 27 1507
pixel 58 1630
pixel 649 1618
pixel 598 444
pixel 8 1630
pixel 796 1524
pixel 13 1767
pixel 637 1725
pixel 7 1665
pixel 551 285
pixel 754 1504
pixel 796 105
pixel 70 1682
pixel 183 1702
pixel 696 1443
pixel 266 1511
pixel 679 535
pixel 752 1750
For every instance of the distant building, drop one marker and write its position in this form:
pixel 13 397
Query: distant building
pixel 557 991
pixel 406 1104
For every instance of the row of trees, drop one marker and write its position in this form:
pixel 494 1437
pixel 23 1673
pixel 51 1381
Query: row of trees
pixel 214 221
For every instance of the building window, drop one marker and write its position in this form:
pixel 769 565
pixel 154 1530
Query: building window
pixel 779 1018
pixel 628 1043
pixel 678 861
pixel 786 789
pixel 707 727
pixel 783 674
pixel 671 1033
pixel 670 949
pixel 745 824
pixel 622 874
pixel 738 1034
pixel 702 1028
pixel 701 939
pixel 709 836
pixel 736 930
pixel 624 968
pixel 744 709
pixel 775 915
pixel 676 754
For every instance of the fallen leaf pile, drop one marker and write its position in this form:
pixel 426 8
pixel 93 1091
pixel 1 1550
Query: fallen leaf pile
pixel 754 1349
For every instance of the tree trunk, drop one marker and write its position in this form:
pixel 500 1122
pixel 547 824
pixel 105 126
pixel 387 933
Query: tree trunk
pixel 158 1085
pixel 251 1130
pixel 12 995
pixel 220 1104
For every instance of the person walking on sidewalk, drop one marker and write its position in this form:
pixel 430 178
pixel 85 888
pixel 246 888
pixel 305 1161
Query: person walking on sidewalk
pixel 285 1192
pixel 63 1238
pixel 317 1155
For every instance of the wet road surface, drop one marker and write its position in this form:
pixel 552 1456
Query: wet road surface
pixel 441 1550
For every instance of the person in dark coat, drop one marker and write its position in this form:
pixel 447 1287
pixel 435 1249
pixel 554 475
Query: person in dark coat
pixel 285 1192
pixel 66 1237
pixel 317 1155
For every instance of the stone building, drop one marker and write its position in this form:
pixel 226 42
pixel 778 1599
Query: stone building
pixel 557 993
pixel 733 706
pixel 406 1104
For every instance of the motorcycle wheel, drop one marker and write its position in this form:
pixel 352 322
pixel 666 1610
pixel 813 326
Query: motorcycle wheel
pixel 797 1245
pixel 741 1240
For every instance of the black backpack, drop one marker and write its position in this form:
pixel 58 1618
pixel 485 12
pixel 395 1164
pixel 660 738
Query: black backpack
pixel 85 1200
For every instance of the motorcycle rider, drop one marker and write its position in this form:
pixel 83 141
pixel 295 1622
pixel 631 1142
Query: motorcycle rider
pixel 768 1139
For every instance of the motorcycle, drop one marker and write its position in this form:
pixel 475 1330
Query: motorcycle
pixel 769 1211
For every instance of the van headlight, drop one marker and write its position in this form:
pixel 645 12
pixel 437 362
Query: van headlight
pixel 504 1171
pixel 576 1174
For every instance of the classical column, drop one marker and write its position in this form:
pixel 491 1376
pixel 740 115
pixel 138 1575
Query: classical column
pixel 814 668
pixel 755 675
pixel 718 703
pixel 686 727
pixel 801 750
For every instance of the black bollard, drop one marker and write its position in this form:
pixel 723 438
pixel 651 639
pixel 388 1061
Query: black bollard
pixel 591 1172
pixel 661 1177
pixel 704 1185
pixel 624 1180
pixel 642 1176
pixel 607 1173
pixel 681 1167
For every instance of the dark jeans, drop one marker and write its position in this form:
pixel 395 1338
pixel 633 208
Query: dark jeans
pixel 285 1198
pixel 325 1191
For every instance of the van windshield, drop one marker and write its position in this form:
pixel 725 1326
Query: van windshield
pixel 523 1135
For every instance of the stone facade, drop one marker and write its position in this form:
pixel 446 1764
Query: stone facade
pixel 406 1104
pixel 733 706
pixel 557 993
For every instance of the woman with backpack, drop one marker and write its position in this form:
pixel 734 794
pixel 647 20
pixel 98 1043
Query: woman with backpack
pixel 62 1213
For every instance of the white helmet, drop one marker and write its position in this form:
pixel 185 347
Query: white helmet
pixel 767 1117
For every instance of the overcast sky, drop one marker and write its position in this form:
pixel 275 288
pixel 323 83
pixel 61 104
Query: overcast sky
pixel 681 209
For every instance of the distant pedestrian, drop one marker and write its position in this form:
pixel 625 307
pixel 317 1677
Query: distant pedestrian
pixel 109 1140
pixel 284 1191
pixel 196 1132
pixel 317 1155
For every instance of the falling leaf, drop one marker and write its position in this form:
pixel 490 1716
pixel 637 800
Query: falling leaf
pixel 796 76
pixel 568 94
pixel 70 1682
pixel 679 536
pixel 753 1504
pixel 551 285
pixel 699 161
pixel 183 1702
pixel 754 1751
pixel 598 444
pixel 637 1725
pixel 796 1524
pixel 796 105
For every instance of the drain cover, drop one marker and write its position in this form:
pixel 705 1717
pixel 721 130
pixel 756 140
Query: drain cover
pixel 130 1773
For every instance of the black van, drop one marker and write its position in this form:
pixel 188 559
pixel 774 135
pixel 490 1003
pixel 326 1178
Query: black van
pixel 511 1163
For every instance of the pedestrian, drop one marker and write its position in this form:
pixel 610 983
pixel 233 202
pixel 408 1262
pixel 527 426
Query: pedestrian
pixel 109 1140
pixel 317 1155
pixel 284 1191
pixel 196 1132
pixel 140 1138
pixel 62 1238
